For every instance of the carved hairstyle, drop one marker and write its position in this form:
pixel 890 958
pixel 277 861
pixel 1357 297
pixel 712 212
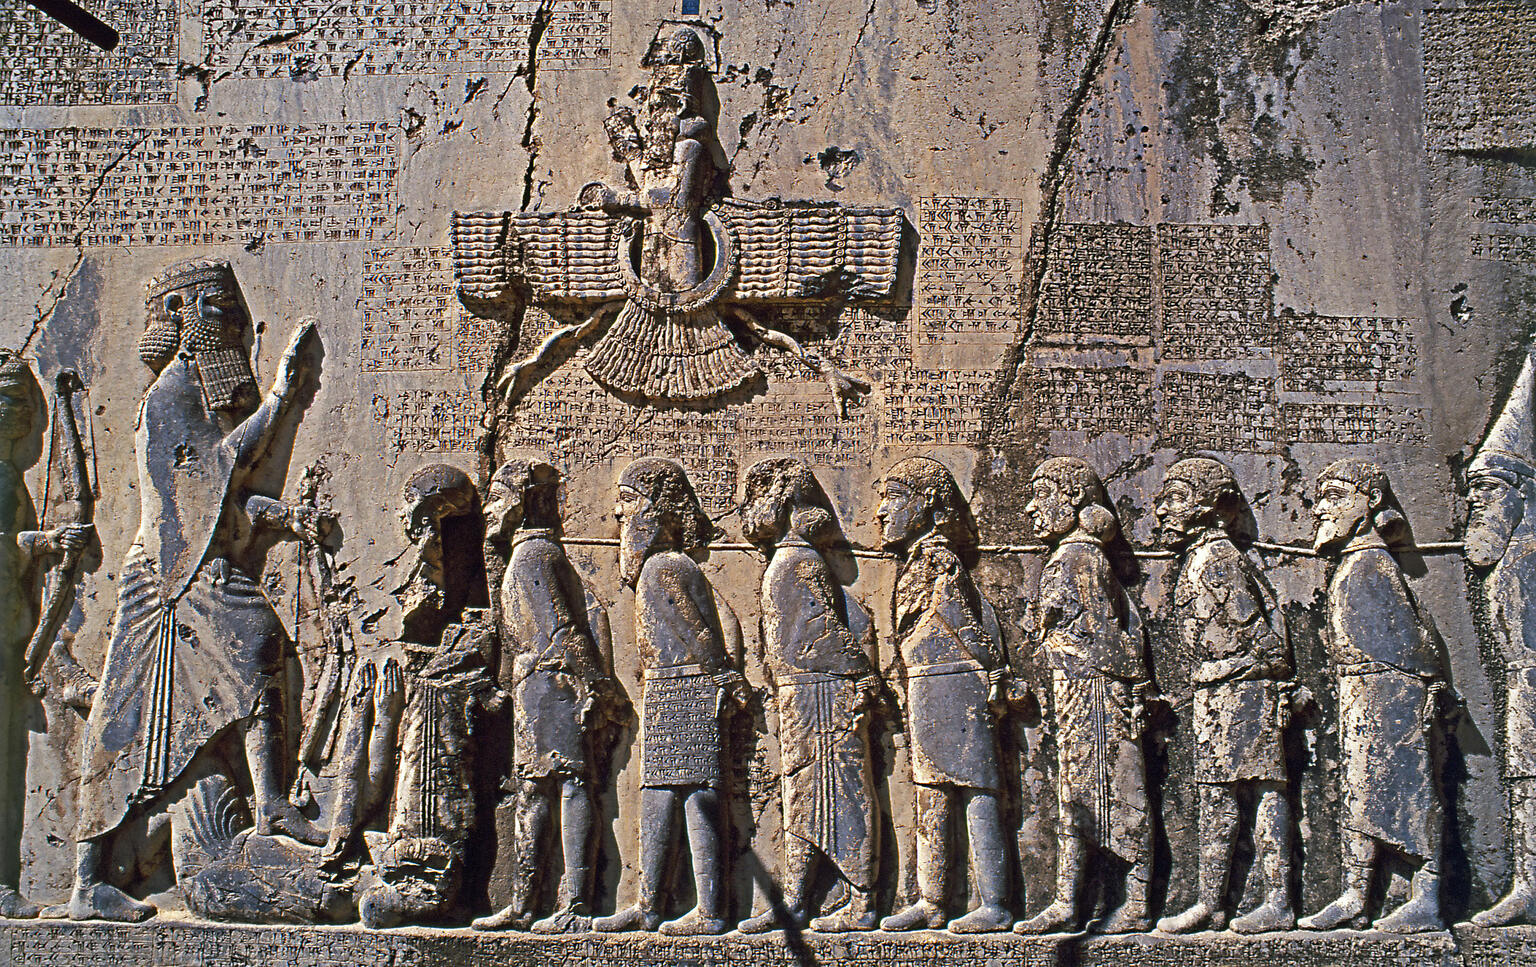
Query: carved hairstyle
pixel 1212 481
pixel 791 484
pixel 1366 477
pixel 1076 478
pixel 952 517
pixel 538 484
pixel 14 369
pixel 434 492
pixel 665 484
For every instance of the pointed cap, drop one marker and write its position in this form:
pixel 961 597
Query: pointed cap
pixel 1511 443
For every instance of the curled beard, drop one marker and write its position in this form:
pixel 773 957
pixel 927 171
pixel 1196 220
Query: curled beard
pixel 636 540
pixel 1488 535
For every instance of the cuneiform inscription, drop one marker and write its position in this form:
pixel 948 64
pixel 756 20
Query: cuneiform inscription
pixel 1504 209
pixel 359 37
pixel 1219 411
pixel 928 407
pixel 429 419
pixel 1504 247
pixel 1353 423
pixel 1111 399
pixel 1214 288
pixel 970 266
pixel 44 62
pixel 196 185
pixel 411 320
pixel 1321 350
pixel 1479 76
pixel 1098 284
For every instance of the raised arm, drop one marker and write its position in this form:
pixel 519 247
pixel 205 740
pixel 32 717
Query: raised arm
pixel 250 440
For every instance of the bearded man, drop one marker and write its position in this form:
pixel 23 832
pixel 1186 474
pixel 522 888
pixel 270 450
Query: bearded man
pixel 1228 622
pixel 25 555
pixel 690 678
pixel 196 649
pixel 1501 544
pixel 563 691
pixel 825 684
pixel 1091 636
pixel 1391 672
pixel 954 667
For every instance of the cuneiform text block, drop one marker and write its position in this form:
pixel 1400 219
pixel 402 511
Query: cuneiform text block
pixel 46 63
pixel 361 37
pixel 196 184
pixel 1480 77
pixel 971 264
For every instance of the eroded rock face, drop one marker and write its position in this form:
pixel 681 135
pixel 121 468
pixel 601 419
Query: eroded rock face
pixel 895 470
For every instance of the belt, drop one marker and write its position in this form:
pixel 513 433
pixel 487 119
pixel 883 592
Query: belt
pixel 677 671
pixel 944 668
pixel 1364 668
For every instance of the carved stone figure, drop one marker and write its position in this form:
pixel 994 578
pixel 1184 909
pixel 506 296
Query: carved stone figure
pixel 1228 623
pixel 1501 542
pixel 195 648
pixel 690 678
pixel 825 684
pixel 954 674
pixel 1091 636
pixel 664 263
pixel 419 860
pixel 563 692
pixel 1391 673
pixel 26 555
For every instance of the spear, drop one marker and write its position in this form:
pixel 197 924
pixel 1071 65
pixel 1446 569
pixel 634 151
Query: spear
pixel 78 506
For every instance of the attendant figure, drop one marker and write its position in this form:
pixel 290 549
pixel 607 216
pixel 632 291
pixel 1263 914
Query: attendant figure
pixel 954 670
pixel 1391 672
pixel 1227 619
pixel 1091 636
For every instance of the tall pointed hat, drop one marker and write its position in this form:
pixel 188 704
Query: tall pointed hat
pixel 1511 443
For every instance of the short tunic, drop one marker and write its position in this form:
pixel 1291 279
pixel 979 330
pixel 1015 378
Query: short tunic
pixel 1239 731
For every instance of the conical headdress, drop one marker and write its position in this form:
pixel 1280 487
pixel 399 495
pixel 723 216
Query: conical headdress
pixel 1511 443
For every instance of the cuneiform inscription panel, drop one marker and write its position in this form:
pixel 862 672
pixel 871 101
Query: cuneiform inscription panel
pixel 360 37
pixel 43 62
pixel 1357 423
pixel 1323 351
pixel 1234 412
pixel 102 945
pixel 1479 76
pixel 1214 288
pixel 429 419
pixel 197 185
pixel 970 266
pixel 930 407
pixel 1098 284
pixel 1504 247
pixel 411 320
pixel 1109 399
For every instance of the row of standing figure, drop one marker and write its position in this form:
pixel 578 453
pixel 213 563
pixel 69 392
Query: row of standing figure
pixel 193 664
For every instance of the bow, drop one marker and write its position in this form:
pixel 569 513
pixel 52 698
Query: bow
pixel 77 506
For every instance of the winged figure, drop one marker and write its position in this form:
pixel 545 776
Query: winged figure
pixel 671 276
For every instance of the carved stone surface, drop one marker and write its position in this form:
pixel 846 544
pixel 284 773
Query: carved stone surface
pixel 875 482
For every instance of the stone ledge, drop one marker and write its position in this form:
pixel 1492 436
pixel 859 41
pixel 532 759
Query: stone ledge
pixel 181 943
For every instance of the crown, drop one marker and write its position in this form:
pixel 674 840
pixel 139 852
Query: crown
pixel 184 274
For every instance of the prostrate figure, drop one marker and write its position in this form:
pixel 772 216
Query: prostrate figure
pixel 954 671
pixel 1501 542
pixel 1227 620
pixel 419 860
pixel 196 649
pixel 825 684
pixel 26 554
pixel 690 678
pixel 1091 636
pixel 1391 672
pixel 563 692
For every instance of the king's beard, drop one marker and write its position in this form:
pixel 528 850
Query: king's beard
pixel 637 538
pixel 226 378
pixel 1488 535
